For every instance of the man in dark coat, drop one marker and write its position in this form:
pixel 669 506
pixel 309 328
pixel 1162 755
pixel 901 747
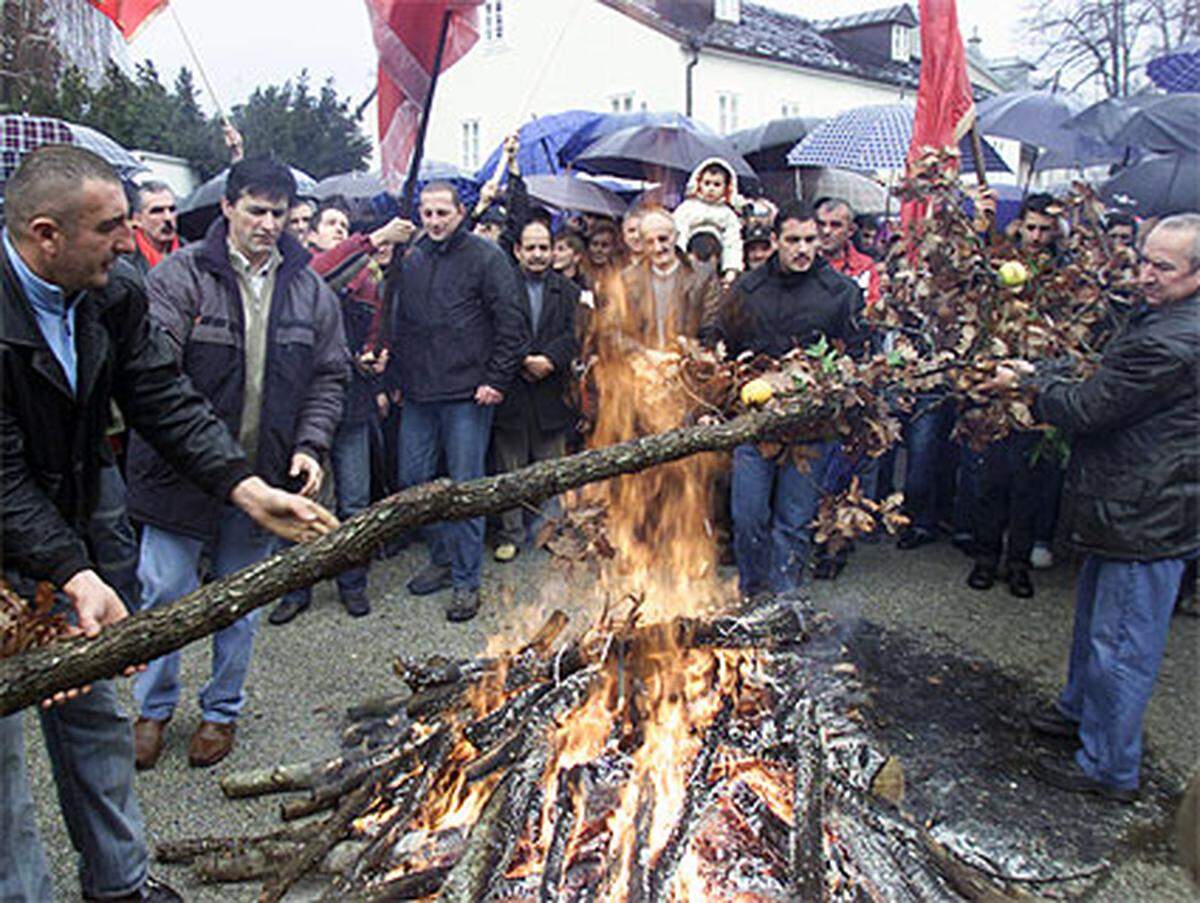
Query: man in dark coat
pixel 531 423
pixel 458 339
pixel 790 301
pixel 73 340
pixel 1132 504
pixel 260 336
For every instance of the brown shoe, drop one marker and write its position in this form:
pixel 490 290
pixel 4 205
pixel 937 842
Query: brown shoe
pixel 148 739
pixel 210 744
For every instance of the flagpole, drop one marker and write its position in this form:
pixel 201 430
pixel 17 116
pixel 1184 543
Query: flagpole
pixel 406 198
pixel 199 66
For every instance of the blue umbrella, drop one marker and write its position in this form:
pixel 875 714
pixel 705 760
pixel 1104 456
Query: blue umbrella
pixel 541 141
pixel 1177 71
pixel 873 137
pixel 607 123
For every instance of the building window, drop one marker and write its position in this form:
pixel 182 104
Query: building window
pixel 493 21
pixel 789 109
pixel 622 103
pixel 470 144
pixel 727 112
pixel 901 43
pixel 728 11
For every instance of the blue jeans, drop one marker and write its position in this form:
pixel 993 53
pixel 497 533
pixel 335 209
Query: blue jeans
pixel 351 464
pixel 457 431
pixel 773 505
pixel 1122 616
pixel 168 570
pixel 926 435
pixel 90 745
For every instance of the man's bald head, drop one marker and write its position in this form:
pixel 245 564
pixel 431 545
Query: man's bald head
pixel 658 238
pixel 49 183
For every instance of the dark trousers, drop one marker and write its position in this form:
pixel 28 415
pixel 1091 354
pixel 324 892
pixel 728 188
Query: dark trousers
pixel 1013 490
pixel 930 458
pixel 513 448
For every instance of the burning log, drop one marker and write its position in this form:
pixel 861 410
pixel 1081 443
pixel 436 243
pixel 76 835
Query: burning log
pixel 773 800
pixel 36 674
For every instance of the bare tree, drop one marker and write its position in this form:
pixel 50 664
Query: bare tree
pixel 1106 43
pixel 28 54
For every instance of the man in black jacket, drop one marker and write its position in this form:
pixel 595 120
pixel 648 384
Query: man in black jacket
pixel 1132 504
pixel 458 337
pixel 790 301
pixel 531 423
pixel 260 336
pixel 73 340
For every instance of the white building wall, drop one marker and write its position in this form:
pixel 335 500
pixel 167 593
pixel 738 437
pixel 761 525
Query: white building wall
pixel 556 55
pixel 764 87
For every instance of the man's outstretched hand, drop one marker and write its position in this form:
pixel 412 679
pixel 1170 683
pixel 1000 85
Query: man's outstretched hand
pixel 97 605
pixel 285 514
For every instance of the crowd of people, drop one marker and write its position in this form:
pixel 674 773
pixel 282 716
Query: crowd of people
pixel 297 340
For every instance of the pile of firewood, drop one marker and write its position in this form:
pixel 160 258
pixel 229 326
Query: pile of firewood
pixel 783 797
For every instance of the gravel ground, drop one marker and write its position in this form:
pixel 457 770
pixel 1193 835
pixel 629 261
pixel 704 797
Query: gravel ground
pixel 305 674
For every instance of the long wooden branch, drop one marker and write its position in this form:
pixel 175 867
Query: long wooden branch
pixel 35 675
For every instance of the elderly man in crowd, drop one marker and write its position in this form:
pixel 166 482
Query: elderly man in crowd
pixel 459 337
pixel 154 226
pixel 74 339
pixel 1132 505
pixel 260 336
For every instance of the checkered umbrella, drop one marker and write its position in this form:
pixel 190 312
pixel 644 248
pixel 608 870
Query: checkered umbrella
pixel 20 133
pixel 871 138
pixel 1177 72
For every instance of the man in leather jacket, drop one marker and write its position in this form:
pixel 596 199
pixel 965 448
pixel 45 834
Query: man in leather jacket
pixel 1132 504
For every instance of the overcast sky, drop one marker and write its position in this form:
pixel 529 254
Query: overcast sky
pixel 246 43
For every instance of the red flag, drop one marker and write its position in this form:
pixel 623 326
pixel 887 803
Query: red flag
pixel 129 15
pixel 945 105
pixel 406 36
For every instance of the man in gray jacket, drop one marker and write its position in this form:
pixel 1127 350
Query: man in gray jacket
pixel 260 335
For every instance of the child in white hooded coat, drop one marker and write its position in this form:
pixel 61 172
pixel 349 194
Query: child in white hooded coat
pixel 708 207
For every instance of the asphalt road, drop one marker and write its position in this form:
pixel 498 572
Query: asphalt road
pixel 305 674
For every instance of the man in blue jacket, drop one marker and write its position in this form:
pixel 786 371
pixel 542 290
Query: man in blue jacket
pixel 459 336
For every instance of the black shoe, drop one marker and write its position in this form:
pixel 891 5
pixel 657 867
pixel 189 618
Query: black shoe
pixel 433 578
pixel 827 569
pixel 464 605
pixel 1019 583
pixel 286 610
pixel 982 576
pixel 1051 721
pixel 914 538
pixel 357 605
pixel 152 891
pixel 1065 774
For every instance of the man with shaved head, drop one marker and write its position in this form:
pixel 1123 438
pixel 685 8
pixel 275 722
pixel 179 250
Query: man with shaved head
pixel 74 338
pixel 1132 506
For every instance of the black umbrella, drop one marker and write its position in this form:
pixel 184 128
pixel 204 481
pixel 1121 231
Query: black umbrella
pixel 1157 186
pixel 1104 119
pixel 203 205
pixel 650 151
pixel 766 146
pixel 566 192
pixel 1167 125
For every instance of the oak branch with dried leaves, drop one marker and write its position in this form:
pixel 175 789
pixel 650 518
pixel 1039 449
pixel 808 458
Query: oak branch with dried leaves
pixel 948 321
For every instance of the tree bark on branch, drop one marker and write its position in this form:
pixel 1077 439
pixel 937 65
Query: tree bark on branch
pixel 35 675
